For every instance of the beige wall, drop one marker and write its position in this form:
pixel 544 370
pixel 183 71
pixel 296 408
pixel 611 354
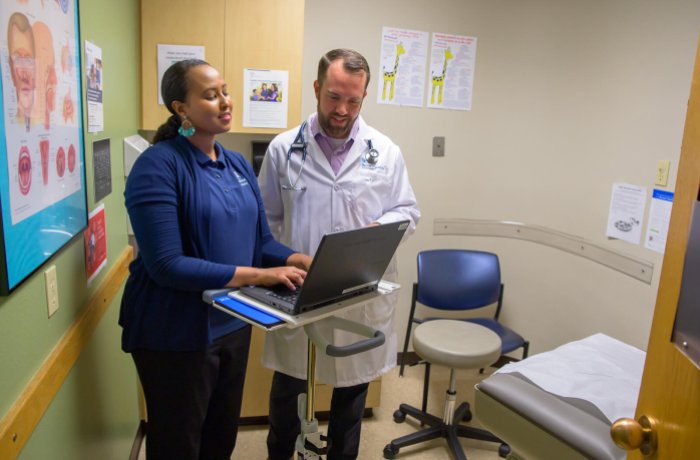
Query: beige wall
pixel 569 97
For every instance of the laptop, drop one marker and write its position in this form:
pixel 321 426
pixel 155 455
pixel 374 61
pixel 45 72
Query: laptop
pixel 346 264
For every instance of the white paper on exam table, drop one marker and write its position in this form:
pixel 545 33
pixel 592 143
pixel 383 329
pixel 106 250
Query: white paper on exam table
pixel 598 369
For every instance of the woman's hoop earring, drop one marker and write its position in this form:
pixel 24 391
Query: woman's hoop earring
pixel 186 128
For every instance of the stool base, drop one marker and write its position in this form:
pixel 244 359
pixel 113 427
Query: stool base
pixel 437 428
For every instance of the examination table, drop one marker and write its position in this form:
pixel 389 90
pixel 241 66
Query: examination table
pixel 560 404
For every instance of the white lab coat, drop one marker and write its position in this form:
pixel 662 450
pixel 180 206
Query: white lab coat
pixel 360 194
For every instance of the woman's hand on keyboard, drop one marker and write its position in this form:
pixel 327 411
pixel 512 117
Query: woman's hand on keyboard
pixel 289 276
pixel 299 260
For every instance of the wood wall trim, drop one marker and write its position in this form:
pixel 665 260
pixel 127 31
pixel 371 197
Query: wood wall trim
pixel 18 424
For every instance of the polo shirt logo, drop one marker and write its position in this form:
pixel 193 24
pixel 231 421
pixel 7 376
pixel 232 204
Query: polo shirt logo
pixel 241 180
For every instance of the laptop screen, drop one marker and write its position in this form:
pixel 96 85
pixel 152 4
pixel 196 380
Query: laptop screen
pixel 350 261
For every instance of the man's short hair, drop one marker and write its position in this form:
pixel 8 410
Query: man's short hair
pixel 353 62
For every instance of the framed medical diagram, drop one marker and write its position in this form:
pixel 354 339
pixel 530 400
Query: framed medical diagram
pixel 42 161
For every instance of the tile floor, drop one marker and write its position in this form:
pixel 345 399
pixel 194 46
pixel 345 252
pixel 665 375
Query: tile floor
pixel 380 429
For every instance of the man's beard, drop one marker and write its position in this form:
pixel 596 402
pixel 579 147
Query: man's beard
pixel 337 132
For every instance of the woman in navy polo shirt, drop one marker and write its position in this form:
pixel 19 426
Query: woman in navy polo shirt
pixel 199 224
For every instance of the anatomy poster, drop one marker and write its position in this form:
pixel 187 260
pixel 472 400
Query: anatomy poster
pixel 40 103
pixel 41 138
pixel 402 76
pixel 451 78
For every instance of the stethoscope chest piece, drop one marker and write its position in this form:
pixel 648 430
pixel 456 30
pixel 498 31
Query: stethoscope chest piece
pixel 371 156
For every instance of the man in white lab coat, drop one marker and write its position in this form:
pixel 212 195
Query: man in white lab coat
pixel 352 176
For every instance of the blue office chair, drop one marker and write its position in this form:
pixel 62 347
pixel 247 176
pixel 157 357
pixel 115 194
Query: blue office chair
pixel 454 280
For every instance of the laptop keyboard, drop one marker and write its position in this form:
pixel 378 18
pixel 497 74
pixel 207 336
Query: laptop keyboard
pixel 282 292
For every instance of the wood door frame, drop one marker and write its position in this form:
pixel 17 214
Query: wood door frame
pixel 668 372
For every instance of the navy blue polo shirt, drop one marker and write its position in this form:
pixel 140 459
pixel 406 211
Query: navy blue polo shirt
pixel 233 210
pixel 195 220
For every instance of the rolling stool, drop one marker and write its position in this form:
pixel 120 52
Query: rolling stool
pixel 457 345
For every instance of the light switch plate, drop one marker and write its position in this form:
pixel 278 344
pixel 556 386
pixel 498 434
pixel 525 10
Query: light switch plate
pixel 662 168
pixel 51 290
pixel 439 146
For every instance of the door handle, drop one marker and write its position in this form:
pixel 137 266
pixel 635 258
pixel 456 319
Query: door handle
pixel 631 434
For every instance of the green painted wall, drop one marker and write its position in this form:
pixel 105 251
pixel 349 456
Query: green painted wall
pixel 94 414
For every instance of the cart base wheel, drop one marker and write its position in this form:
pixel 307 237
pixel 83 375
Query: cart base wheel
pixel 503 450
pixel 390 451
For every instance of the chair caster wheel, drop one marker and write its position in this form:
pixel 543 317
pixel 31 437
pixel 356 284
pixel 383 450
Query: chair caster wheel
pixel 399 417
pixel 390 451
pixel 503 450
pixel 467 416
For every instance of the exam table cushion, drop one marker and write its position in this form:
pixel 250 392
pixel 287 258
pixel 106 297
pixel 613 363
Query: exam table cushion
pixel 574 421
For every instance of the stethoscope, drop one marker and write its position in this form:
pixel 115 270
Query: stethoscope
pixel 371 156
pixel 299 145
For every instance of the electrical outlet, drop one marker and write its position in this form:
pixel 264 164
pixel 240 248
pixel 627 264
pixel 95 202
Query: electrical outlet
pixel 662 168
pixel 438 146
pixel 51 290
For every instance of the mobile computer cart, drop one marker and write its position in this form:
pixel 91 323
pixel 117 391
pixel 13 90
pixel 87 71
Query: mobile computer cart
pixel 311 443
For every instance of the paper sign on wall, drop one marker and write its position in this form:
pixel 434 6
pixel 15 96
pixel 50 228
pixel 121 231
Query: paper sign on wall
pixel 403 55
pixel 265 98
pixel 659 218
pixel 95 237
pixel 452 62
pixel 170 54
pixel 93 77
pixel 626 212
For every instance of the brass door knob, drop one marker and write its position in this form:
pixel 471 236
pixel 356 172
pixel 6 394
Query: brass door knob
pixel 631 434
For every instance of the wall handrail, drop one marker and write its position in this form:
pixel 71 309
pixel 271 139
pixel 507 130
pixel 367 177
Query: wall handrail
pixel 635 267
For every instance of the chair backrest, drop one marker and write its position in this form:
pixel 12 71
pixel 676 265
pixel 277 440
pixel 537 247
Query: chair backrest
pixel 458 279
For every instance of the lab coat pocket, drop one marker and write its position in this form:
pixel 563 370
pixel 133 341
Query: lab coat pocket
pixel 374 176
pixel 369 194
pixel 379 312
pixel 294 199
pixel 297 207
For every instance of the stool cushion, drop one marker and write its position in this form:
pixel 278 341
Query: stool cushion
pixel 456 344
